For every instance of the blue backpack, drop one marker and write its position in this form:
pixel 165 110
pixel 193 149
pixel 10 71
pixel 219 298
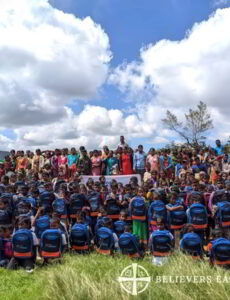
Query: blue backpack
pixel 161 243
pixel 119 227
pixel 59 207
pixel 42 224
pixel 220 253
pixel 101 222
pixel 156 210
pixel 46 199
pixel 5 218
pixel 129 245
pixel 176 219
pixel 191 244
pixel 77 202
pixel 138 209
pixel 198 216
pixel 105 240
pixel 80 237
pixel 223 214
pixel 113 210
pixel 94 200
pixel 22 244
pixel 51 243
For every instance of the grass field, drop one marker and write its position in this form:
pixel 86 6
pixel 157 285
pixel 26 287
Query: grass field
pixel 95 277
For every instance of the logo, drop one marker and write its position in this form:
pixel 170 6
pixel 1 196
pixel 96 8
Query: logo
pixel 134 279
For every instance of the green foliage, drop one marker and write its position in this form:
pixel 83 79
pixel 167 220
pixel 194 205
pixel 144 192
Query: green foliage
pixel 197 122
pixel 95 277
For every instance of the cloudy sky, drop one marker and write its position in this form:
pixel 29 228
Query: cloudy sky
pixel 84 72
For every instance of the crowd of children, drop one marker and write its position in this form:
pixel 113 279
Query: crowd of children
pixel 45 210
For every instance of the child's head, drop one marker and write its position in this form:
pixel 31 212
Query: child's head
pixel 97 186
pixel 80 218
pixel 128 228
pixel 217 233
pixel 8 231
pixel 48 186
pixel 24 223
pixel 102 212
pixel 127 188
pixel 114 188
pixel 3 203
pixel 109 224
pixel 55 223
pixel 160 223
pixel 123 215
pixel 83 189
pixel 90 183
pixel 140 192
pixel 173 197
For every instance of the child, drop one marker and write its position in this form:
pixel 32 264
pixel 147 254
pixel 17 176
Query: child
pixel 24 254
pixel 140 227
pixel 53 242
pixel 5 213
pixel 80 236
pixel 191 242
pixel 161 243
pixel 130 243
pixel 7 245
pixel 106 240
pixel 119 226
pixel 112 203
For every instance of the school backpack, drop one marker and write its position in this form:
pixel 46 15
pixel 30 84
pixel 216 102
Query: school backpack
pixel 113 210
pixel 119 227
pixel 94 200
pixel 198 216
pixel 22 244
pixel 41 225
pixel 105 240
pixel 51 243
pixel 138 209
pixel 129 245
pixel 176 219
pixel 191 244
pixel 156 210
pixel 5 218
pixel 101 222
pixel 46 199
pixel 161 243
pixel 80 237
pixel 220 253
pixel 59 207
pixel 77 202
pixel 223 214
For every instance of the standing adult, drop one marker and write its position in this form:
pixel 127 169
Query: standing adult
pixel 139 161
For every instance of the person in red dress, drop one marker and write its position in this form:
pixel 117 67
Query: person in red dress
pixel 126 162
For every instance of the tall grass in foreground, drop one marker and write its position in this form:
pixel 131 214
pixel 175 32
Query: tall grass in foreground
pixel 95 277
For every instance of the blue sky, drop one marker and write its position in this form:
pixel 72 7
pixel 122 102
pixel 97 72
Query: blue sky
pixel 61 86
pixel 131 25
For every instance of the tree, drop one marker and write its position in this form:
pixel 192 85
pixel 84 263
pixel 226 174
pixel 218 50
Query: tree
pixel 197 122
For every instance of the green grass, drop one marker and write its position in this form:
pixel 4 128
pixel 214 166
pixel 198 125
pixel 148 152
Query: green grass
pixel 95 277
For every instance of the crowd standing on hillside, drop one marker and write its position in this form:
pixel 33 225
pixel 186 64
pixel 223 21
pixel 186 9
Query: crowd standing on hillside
pixel 183 202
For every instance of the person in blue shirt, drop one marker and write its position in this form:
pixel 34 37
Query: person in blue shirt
pixel 198 167
pixel 139 161
pixel 219 148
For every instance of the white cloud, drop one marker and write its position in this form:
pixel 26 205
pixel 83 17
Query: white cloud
pixel 181 73
pixel 48 58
